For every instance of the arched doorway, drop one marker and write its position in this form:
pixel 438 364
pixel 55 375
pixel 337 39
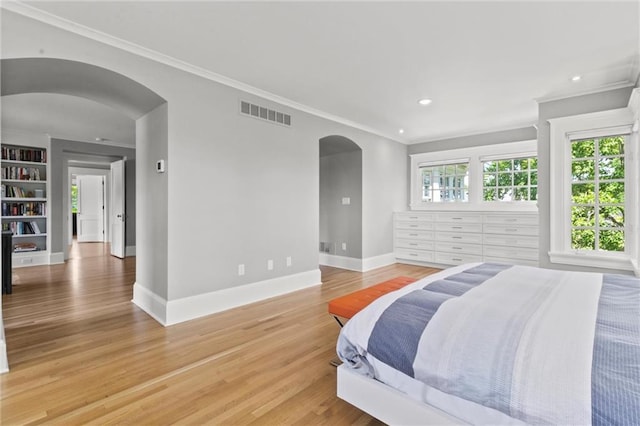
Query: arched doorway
pixel 139 103
pixel 340 202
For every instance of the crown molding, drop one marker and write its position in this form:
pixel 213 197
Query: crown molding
pixel 600 89
pixel 127 46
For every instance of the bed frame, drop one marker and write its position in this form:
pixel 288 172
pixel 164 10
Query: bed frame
pixel 387 404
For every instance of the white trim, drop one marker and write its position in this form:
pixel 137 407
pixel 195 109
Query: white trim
pixel 378 261
pixel 474 156
pixel 56 258
pixel 188 308
pixel 129 251
pixel 150 302
pixel 605 88
pixel 358 265
pixel 386 403
pixel 577 258
pixel 562 131
pixel 4 362
pixel 342 262
pixel 127 46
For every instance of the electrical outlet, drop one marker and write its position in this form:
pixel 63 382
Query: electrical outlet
pixel 344 246
pixel 241 269
pixel 346 201
pixel 289 261
pixel 270 265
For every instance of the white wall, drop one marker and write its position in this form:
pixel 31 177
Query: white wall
pixel 238 190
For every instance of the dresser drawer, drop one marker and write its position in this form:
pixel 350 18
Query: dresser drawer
pixel 414 235
pixel 459 237
pixel 455 217
pixel 514 240
pixel 411 216
pixel 417 255
pixel 511 252
pixel 456 259
pixel 510 229
pixel 459 227
pixel 417 225
pixel 452 247
pixel 511 219
pixel 414 244
pixel 510 261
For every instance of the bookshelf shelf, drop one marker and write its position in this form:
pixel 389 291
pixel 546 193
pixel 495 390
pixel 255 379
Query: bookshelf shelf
pixel 24 201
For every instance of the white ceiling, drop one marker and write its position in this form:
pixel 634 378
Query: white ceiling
pixel 484 64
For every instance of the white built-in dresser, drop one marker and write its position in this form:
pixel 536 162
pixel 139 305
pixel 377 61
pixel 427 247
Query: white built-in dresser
pixel 453 238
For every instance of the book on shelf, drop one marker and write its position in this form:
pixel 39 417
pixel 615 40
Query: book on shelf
pixel 21 247
pixel 24 154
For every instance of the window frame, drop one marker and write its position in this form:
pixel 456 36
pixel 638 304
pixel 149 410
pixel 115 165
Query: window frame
pixel 563 132
pixel 474 156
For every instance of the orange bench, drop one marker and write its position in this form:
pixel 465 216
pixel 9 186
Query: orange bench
pixel 349 305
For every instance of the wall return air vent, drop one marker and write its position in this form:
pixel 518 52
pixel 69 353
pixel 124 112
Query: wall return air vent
pixel 263 113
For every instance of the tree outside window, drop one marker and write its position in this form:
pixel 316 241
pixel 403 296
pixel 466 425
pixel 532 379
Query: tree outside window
pixel 597 194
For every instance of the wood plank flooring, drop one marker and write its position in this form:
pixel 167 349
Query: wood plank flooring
pixel 81 353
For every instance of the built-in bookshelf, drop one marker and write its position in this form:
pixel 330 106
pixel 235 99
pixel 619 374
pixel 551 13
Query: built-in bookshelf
pixel 24 202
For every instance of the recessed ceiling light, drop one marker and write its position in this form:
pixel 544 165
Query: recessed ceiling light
pixel 425 101
pixel 576 78
pixel 401 131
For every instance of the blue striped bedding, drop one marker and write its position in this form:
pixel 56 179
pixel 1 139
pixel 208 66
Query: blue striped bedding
pixel 539 346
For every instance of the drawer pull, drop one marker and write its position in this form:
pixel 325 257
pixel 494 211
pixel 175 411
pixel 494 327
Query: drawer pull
pixel 511 220
pixel 413 244
pixel 456 259
pixel 456 218
pixel 413 226
pixel 413 217
pixel 457 238
pixel 413 235
pixel 511 230
pixel 456 227
pixel 457 248
pixel 413 254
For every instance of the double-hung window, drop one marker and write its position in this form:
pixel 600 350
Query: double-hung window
pixel 594 190
pixel 492 177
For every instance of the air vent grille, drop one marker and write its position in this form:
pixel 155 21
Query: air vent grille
pixel 264 113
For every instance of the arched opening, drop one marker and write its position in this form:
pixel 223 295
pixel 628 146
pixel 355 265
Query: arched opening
pixel 340 202
pixel 70 84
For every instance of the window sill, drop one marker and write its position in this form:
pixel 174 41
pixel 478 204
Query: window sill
pixel 621 262
pixel 485 207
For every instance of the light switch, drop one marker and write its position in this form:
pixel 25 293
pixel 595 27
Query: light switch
pixel 346 201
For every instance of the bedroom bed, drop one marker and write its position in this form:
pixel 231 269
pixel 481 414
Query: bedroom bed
pixel 489 343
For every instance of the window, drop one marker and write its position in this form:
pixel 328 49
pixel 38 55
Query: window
pixel 445 182
pixel 514 179
pixel 594 192
pixel 492 177
pixel 597 194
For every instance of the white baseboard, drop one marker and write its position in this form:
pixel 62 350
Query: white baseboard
pixel 129 251
pixel 56 258
pixel 359 265
pixel 378 261
pixel 4 362
pixel 188 308
pixel 150 302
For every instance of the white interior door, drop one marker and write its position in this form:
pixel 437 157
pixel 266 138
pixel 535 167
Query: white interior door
pixel 90 209
pixel 117 209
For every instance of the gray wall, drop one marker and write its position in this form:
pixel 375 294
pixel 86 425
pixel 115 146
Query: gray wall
pixel 504 136
pixel 239 190
pixel 64 150
pixel 341 176
pixel 152 201
pixel 564 108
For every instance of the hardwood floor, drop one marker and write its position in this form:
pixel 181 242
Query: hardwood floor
pixel 81 353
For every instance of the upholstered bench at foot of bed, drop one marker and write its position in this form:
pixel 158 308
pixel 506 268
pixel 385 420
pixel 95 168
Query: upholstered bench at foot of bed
pixel 349 305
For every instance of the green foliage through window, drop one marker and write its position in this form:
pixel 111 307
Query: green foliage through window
pixel 598 194
pixel 514 179
pixel 74 199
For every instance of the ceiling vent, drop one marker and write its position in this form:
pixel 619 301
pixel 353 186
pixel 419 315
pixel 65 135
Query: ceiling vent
pixel 264 113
